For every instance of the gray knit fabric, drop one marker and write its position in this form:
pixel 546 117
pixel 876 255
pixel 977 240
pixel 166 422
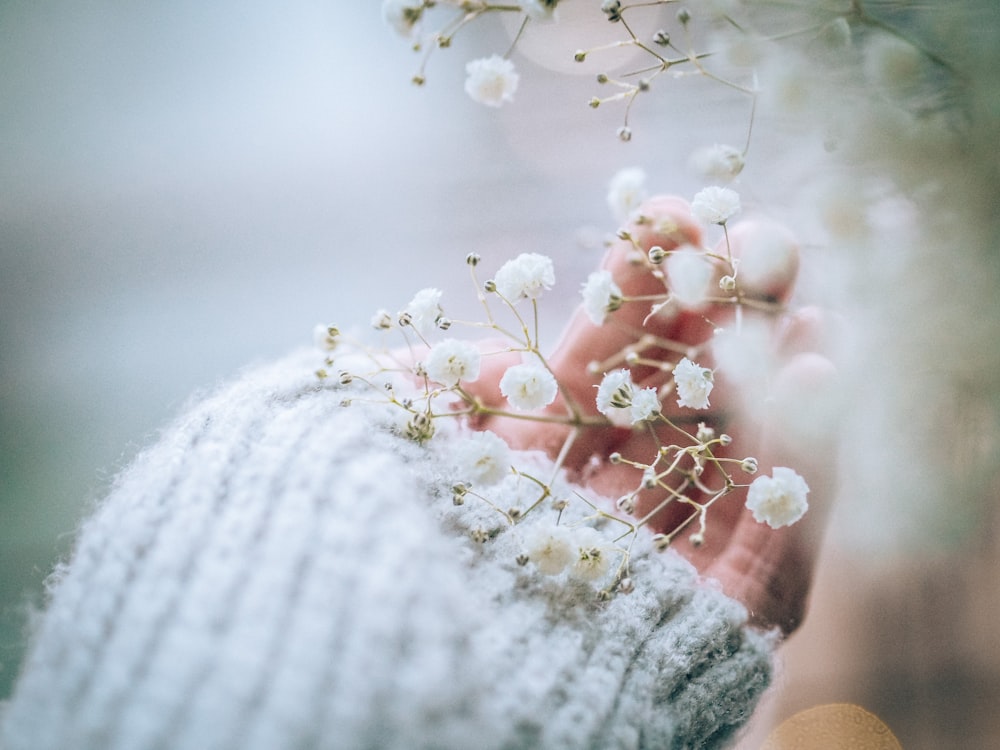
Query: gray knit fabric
pixel 283 572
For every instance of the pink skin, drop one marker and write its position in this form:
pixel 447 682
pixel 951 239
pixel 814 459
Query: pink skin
pixel 768 570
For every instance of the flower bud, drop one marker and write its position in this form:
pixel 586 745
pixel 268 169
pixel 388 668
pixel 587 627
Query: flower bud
pixel 626 504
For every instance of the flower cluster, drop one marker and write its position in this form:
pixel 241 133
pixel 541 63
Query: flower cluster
pixel 653 387
pixel 690 315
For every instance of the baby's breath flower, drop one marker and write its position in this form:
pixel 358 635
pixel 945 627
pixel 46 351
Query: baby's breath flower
pixel 592 561
pixel 325 337
pixel 540 10
pixel 491 80
pixel 694 384
pixel 403 16
pixel 780 499
pixel 626 192
pixel 657 254
pixel 749 465
pixel 645 405
pixel 690 276
pixel 612 9
pixel 419 428
pixel 614 396
pixel 715 205
pixel 382 320
pixel 450 361
pixel 423 310
pixel 626 503
pixel 718 162
pixel 480 535
pixel 601 295
pixel 482 459
pixel 550 548
pixel 528 387
pixel 526 276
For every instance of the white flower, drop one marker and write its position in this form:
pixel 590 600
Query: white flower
pixel 540 10
pixel 645 405
pixel 550 548
pixel 451 361
pixel 527 275
pixel 626 192
pixel 690 275
pixel 491 80
pixel 601 295
pixel 424 310
pixel 325 337
pixel 778 500
pixel 402 16
pixel 743 354
pixel 622 402
pixel 614 397
pixel 592 560
pixel 718 162
pixel 381 320
pixel 694 384
pixel 481 459
pixel 528 387
pixel 715 205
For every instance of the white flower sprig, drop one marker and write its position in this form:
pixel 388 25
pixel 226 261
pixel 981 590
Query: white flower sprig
pixel 430 379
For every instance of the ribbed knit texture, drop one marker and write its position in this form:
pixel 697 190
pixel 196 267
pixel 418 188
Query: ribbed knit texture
pixel 281 572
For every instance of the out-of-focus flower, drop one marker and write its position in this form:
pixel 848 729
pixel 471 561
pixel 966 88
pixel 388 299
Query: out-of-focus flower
pixel 601 295
pixel 540 10
pixel 403 16
pixel 780 499
pixel 626 192
pixel 482 458
pixel 550 548
pixel 715 205
pixel 450 361
pixel 491 80
pixel 690 276
pixel 423 310
pixel 719 162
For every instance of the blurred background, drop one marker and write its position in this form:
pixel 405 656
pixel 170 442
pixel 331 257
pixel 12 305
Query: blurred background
pixel 187 188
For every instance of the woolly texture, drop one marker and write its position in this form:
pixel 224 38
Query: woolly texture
pixel 280 571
